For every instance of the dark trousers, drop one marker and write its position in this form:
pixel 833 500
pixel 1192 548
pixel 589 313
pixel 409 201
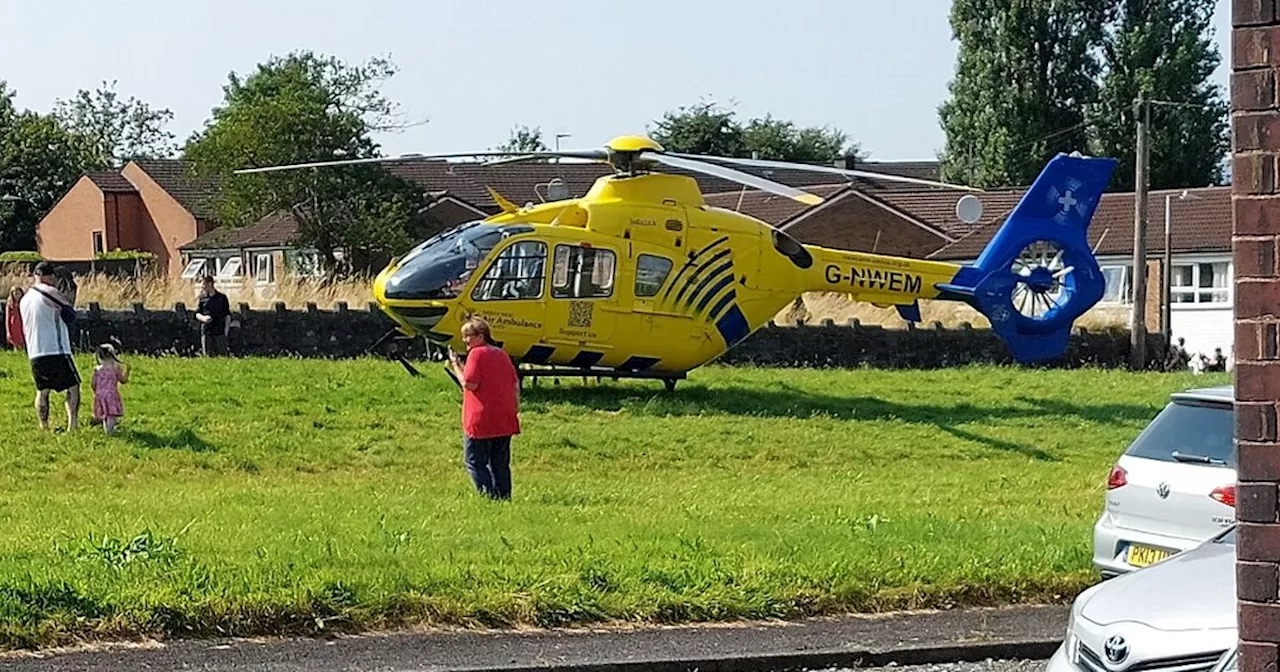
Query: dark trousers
pixel 489 463
pixel 213 345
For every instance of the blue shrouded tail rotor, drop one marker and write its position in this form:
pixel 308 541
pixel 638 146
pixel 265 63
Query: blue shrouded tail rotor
pixel 1038 275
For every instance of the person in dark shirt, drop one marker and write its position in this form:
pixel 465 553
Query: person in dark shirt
pixel 213 311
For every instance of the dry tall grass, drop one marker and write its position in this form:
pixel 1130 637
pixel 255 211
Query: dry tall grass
pixel 161 293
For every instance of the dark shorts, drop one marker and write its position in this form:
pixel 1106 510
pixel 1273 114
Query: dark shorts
pixel 55 372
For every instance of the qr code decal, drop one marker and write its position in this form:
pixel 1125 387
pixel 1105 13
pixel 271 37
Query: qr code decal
pixel 580 313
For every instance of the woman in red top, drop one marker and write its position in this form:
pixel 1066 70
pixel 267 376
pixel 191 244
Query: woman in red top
pixel 490 409
pixel 13 319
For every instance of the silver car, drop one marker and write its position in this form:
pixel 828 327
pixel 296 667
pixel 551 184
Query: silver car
pixel 1176 616
pixel 1174 487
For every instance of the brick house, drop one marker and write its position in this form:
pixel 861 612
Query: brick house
pixel 150 205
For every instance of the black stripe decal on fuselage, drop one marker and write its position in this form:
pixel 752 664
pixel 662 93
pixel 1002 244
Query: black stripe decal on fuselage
pixel 723 271
pixel 711 294
pixel 724 303
pixel 690 264
pixel 700 273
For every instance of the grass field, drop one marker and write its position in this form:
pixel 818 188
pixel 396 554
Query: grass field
pixel 289 496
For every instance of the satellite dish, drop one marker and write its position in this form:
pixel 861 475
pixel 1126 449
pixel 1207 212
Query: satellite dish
pixel 969 209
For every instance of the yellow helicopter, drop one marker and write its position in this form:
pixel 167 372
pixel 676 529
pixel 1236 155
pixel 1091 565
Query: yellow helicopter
pixel 641 278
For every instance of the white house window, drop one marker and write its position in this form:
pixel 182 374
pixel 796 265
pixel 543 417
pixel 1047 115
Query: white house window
pixel 194 269
pixel 99 245
pixel 263 270
pixel 230 269
pixel 1202 283
pixel 1119 280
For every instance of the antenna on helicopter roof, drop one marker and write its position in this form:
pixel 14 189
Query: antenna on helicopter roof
pixel 557 189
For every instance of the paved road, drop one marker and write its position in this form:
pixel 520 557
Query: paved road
pixel 1025 632
pixel 984 666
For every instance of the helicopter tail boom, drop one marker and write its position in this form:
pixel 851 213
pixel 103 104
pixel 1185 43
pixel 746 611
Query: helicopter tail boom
pixel 1038 275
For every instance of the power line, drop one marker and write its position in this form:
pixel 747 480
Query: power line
pixel 1170 103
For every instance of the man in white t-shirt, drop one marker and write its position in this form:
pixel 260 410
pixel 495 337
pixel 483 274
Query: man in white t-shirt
pixel 49 346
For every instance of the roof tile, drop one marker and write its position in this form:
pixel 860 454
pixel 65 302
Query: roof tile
pixel 768 207
pixel 275 230
pixel 1199 225
pixel 196 194
pixel 112 182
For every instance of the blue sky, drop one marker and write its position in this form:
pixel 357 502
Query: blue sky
pixel 473 69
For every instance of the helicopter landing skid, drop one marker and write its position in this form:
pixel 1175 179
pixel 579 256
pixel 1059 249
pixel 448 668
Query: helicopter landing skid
pixel 398 342
pixel 668 379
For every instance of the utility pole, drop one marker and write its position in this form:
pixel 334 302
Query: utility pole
pixel 1138 318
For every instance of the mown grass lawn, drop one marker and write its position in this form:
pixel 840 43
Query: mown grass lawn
pixel 290 496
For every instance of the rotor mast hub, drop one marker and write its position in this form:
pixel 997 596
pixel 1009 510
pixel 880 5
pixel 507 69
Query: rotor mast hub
pixel 625 150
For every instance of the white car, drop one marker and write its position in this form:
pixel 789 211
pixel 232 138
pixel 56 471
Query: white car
pixel 1176 616
pixel 1174 487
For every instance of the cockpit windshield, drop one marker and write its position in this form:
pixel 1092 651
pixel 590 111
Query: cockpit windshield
pixel 440 267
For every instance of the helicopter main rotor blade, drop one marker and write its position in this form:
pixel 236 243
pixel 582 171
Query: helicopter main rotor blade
pixel 724 172
pixel 785 165
pixel 375 159
pixel 590 154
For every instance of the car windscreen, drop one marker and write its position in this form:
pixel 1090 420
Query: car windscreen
pixel 1191 432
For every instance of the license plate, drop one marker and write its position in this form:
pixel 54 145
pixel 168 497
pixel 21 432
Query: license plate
pixel 1141 556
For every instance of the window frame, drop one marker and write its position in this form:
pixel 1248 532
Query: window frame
pixel 671 264
pixel 270 267
pixel 236 264
pixel 99 243
pixel 195 268
pixel 1126 284
pixel 613 271
pixel 1194 291
pixel 495 258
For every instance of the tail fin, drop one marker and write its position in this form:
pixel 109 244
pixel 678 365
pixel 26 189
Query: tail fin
pixel 1037 275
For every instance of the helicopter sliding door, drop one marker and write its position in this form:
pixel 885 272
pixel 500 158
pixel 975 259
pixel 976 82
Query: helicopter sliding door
pixel 583 310
pixel 512 292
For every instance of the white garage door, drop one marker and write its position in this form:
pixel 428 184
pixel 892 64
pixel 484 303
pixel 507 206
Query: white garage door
pixel 1204 329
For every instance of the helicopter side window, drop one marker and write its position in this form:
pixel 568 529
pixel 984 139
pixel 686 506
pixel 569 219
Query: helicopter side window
pixel 651 272
pixel 582 272
pixel 517 273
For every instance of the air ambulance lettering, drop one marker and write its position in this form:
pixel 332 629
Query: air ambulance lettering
pixel 875 278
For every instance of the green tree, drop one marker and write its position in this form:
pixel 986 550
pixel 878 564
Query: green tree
pixel 305 108
pixel 120 130
pixel 524 139
pixel 1026 69
pixel 705 128
pixel 708 128
pixel 39 161
pixel 780 140
pixel 1163 50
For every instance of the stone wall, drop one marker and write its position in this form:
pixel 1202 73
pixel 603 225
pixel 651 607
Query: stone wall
pixel 345 332
pixel 853 344
pixel 271 333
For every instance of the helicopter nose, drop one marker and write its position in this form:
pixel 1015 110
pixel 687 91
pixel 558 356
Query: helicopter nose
pixel 423 318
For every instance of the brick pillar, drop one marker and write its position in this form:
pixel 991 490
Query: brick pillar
pixel 1255 55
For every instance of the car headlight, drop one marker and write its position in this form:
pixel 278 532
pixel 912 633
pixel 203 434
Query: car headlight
pixel 1071 644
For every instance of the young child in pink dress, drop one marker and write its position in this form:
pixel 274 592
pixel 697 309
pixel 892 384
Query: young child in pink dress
pixel 110 372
